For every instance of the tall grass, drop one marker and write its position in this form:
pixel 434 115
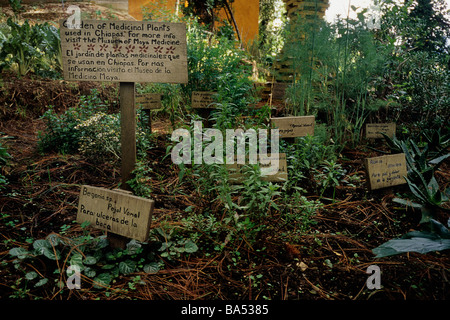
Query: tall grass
pixel 336 67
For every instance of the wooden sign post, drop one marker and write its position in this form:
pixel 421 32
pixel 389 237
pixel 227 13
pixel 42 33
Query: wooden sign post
pixel 125 52
pixel 127 131
pixel 386 171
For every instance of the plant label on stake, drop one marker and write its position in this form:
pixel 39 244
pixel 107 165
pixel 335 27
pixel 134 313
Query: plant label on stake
pixel 125 52
pixel 115 212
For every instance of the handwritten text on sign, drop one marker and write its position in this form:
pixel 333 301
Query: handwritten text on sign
pixel 149 100
pixel 128 51
pixel 374 130
pixel 386 171
pixel 113 211
pixel 203 100
pixel 291 127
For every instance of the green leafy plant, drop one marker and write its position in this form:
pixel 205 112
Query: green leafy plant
pixel 330 175
pixel 60 133
pixel 258 197
pixel 336 70
pixel 304 156
pixel 300 212
pixel 216 64
pixel 420 161
pixel 140 183
pixel 435 238
pixel 32 48
pixel 97 263
pixel 16 6
pixel 430 200
pixel 172 243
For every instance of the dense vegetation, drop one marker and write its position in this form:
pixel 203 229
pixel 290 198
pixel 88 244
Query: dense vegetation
pixel 311 237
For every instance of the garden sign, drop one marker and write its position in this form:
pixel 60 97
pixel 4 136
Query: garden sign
pixel 375 130
pixel 125 52
pixel 386 171
pixel 116 212
pixel 291 127
pixel 203 100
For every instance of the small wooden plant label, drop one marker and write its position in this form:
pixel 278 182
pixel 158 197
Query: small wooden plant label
pixel 374 130
pixel 148 101
pixel 115 212
pixel 203 100
pixel 386 171
pixel 291 127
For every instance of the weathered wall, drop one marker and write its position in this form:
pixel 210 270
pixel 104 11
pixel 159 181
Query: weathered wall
pixel 246 13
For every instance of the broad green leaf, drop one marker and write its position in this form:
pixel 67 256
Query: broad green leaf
pixel 165 245
pixel 407 203
pixel 101 242
pixel 416 191
pixel 190 246
pixel 102 280
pixel 53 239
pixel 127 267
pixel 439 229
pixel 108 267
pixel 439 159
pixel 90 260
pixel 19 252
pixel 89 272
pixel 51 253
pixel 40 244
pixel 133 247
pixel 77 259
pixel 41 282
pixel 31 275
pixel 152 267
pixel 179 249
pixel 415 244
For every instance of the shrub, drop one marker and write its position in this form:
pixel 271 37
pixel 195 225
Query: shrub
pixel 32 48
pixel 216 64
pixel 61 134
pixel 99 137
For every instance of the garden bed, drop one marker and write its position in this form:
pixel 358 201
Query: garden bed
pixel 310 238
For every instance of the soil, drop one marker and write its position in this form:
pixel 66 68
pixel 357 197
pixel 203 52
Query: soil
pixel 327 263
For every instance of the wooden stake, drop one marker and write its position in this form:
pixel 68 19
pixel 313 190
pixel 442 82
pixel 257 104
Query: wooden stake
pixel 128 148
pixel 128 132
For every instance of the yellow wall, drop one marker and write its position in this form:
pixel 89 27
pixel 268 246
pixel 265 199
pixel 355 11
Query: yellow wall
pixel 246 13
